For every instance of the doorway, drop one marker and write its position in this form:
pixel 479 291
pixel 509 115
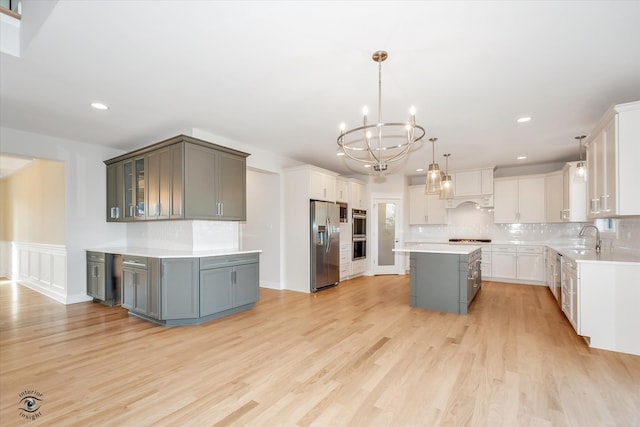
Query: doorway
pixel 386 232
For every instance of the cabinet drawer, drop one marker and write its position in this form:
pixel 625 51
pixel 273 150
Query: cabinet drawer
pixel 345 257
pixel 95 256
pixel 531 249
pixel 227 260
pixel 503 248
pixel 134 261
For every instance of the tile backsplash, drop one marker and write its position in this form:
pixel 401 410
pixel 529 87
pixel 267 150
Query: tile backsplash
pixel 184 235
pixel 470 221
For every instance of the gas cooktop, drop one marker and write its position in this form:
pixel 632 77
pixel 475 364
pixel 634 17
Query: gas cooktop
pixel 469 241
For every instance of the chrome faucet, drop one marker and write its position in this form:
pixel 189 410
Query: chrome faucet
pixel 598 241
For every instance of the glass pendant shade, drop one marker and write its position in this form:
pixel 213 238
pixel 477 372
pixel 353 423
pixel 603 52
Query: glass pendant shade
pixel 581 170
pixel 447 183
pixel 434 179
pixel 581 173
pixel 434 175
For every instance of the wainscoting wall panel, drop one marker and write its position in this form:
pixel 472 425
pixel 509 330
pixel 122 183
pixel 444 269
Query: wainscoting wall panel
pixel 43 268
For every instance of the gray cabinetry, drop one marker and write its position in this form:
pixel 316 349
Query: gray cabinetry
pixel 443 282
pixel 179 288
pixel 135 285
pixel 180 178
pixel 228 282
pixel 182 291
pixel 215 184
pixel 115 192
pixel 101 282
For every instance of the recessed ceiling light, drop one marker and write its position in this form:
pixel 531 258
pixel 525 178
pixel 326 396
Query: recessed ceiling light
pixel 99 106
pixel 367 166
pixel 524 119
pixel 340 153
pixel 521 157
pixel 419 170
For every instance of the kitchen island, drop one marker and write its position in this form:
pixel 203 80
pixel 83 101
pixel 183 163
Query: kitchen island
pixel 444 277
pixel 174 287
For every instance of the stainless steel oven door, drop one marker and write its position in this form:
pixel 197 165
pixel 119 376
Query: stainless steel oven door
pixel 359 249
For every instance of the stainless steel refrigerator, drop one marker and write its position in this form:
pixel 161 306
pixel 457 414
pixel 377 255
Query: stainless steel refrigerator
pixel 325 245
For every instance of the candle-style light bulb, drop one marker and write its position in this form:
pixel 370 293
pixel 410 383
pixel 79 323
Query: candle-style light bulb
pixel 412 110
pixel 365 110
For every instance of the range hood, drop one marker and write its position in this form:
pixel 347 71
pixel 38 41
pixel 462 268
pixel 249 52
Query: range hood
pixel 484 201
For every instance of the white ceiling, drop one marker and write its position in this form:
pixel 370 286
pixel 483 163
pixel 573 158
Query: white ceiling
pixel 283 75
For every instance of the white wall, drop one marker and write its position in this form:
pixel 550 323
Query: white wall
pixel 85 203
pixel 262 228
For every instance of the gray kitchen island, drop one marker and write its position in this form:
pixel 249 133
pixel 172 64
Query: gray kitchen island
pixel 173 287
pixel 444 277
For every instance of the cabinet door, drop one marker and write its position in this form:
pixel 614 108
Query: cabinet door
pixel 531 267
pixel 554 196
pixel 592 189
pixel 358 196
pixel 505 201
pixel 487 181
pixel 153 269
pixel 231 187
pixel 115 190
pixel 200 197
pixel 141 291
pixel 436 210
pixel 245 284
pixel 95 280
pixel 468 183
pixel 531 200
pixel 215 290
pixel 180 296
pixel 417 205
pixel 608 196
pixel 342 190
pixel 503 265
pixel 128 287
pixel 176 208
pixel 159 183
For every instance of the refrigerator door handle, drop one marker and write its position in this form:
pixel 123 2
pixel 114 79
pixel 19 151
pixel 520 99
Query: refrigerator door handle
pixel 328 247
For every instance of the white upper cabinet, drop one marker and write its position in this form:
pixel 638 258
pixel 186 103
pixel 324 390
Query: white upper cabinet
pixel 358 195
pixel 519 200
pixel 473 183
pixel 554 195
pixel 574 204
pixel 322 186
pixel 612 163
pixel 342 190
pixel 426 209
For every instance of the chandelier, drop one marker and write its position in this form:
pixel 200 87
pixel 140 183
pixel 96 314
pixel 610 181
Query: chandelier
pixel 378 144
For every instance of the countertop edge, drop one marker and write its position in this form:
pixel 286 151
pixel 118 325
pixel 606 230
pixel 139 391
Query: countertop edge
pixel 167 253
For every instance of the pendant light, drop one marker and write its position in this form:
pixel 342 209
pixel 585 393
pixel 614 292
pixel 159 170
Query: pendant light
pixel 447 182
pixel 434 175
pixel 581 170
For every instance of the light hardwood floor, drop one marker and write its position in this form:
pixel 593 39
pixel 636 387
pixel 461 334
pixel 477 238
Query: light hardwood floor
pixel 354 355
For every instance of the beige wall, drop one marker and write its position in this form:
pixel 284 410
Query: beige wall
pixel 33 204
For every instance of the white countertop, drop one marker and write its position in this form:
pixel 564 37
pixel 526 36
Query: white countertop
pixel 590 255
pixel 438 248
pixel 568 249
pixel 172 253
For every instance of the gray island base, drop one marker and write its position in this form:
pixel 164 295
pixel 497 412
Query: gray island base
pixel 444 277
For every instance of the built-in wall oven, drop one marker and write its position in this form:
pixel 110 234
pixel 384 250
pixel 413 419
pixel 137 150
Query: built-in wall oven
pixel 359 233
pixel 359 218
pixel 360 248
